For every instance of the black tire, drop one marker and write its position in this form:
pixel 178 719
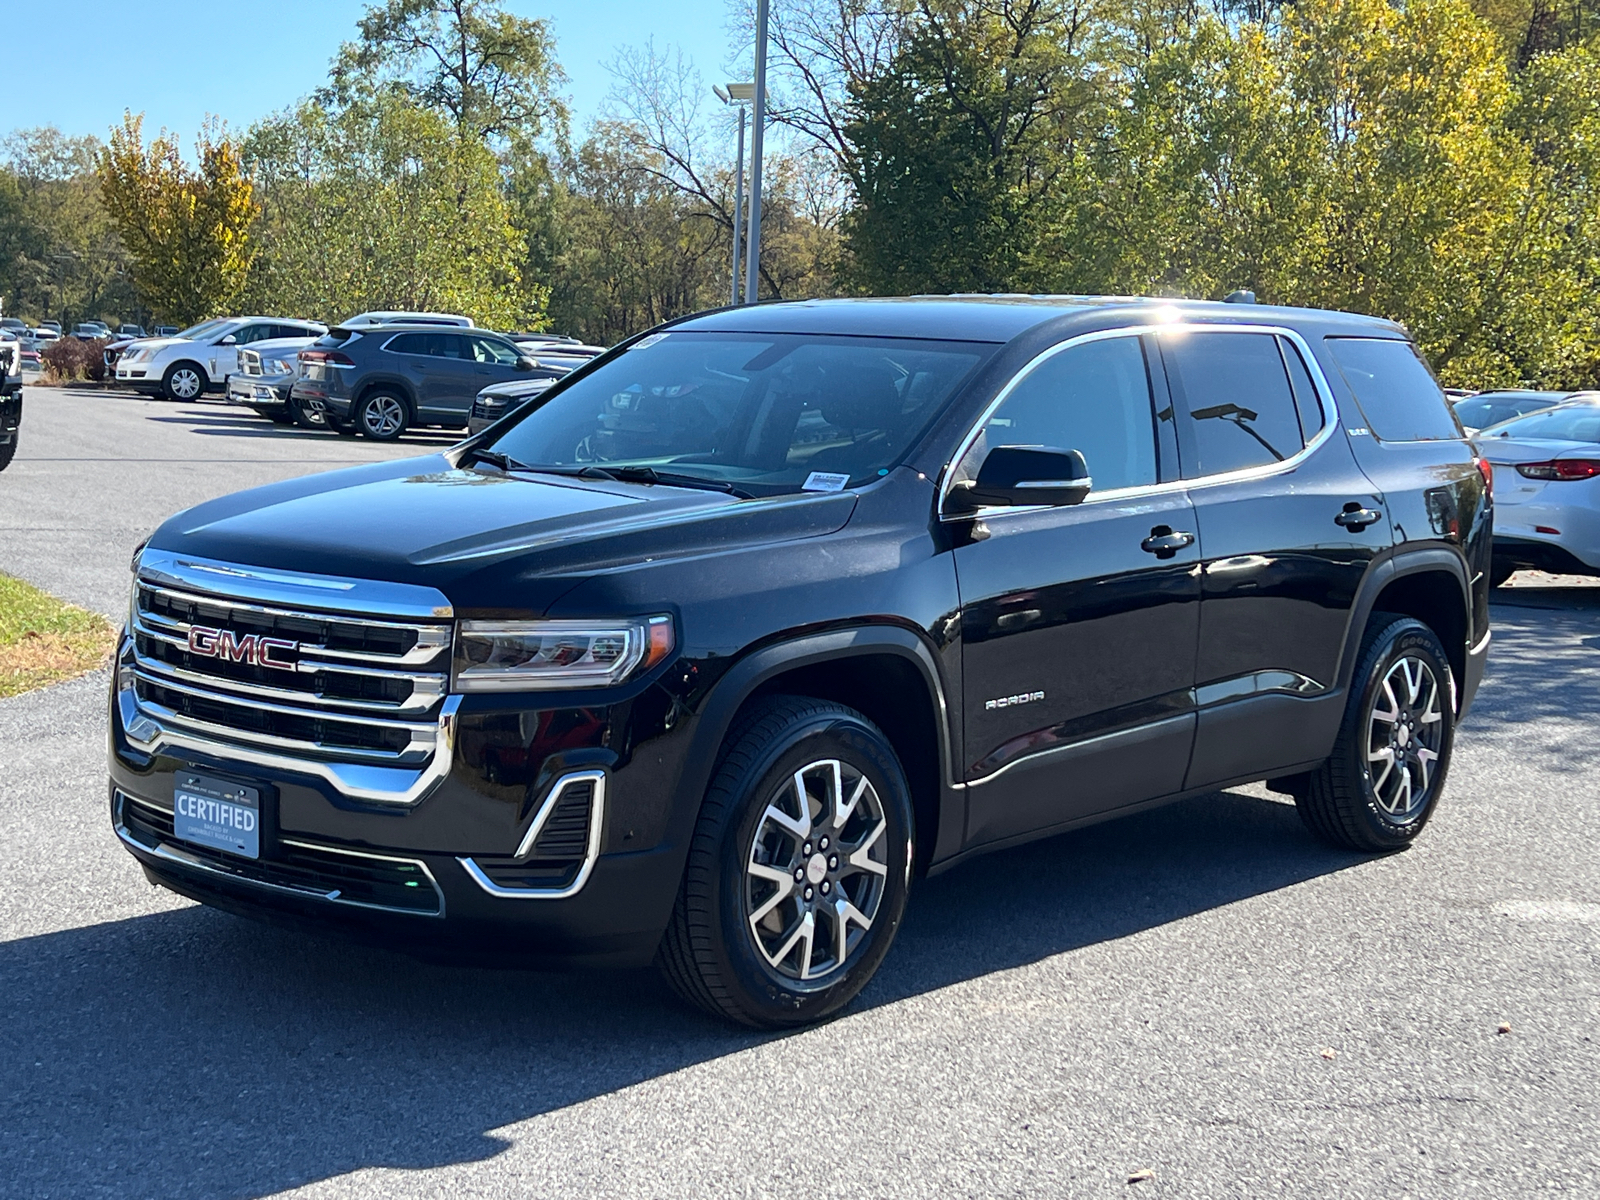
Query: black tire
pixel 278 416
pixel 710 953
pixel 9 450
pixel 382 416
pixel 176 384
pixel 344 430
pixel 1500 570
pixel 1341 802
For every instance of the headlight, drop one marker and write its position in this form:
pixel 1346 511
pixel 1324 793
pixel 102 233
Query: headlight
pixel 276 366
pixel 134 356
pixel 516 656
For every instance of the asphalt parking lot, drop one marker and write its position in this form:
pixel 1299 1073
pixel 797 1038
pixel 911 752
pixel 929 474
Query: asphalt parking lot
pixel 1201 991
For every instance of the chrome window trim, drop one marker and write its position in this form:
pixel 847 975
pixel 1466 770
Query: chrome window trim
pixel 171 853
pixel 591 853
pixel 1330 413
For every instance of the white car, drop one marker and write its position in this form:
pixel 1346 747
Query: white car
pixel 200 358
pixel 1546 490
pixel 10 395
pixel 370 320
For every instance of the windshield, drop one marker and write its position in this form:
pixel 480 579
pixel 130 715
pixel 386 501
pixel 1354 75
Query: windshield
pixel 1570 423
pixel 202 329
pixel 769 413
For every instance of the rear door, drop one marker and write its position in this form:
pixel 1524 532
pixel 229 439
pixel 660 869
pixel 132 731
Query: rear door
pixel 1078 642
pixel 1271 480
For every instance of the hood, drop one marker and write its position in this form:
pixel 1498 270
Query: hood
pixel 279 345
pixel 157 344
pixel 484 539
pixel 516 389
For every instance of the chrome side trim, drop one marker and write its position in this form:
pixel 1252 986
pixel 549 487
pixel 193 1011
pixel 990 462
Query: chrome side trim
pixel 255 585
pixel 170 853
pixel 591 853
pixel 377 784
pixel 1319 381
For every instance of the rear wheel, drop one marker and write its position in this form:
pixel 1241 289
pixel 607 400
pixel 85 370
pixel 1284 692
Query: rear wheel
pixel 798 870
pixel 183 381
pixel 9 450
pixel 1381 783
pixel 381 416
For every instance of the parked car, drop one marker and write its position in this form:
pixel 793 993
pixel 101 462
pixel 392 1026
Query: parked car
pixel 10 395
pixel 90 331
pixel 369 320
pixel 267 371
pixel 1490 408
pixel 37 339
pixel 765 614
pixel 164 331
pixel 501 399
pixel 1547 490
pixel 386 379
pixel 130 331
pixel 200 358
pixel 53 326
pixel 13 326
pixel 545 343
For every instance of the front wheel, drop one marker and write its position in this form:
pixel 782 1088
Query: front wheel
pixel 183 381
pixel 798 869
pixel 1382 782
pixel 9 450
pixel 381 416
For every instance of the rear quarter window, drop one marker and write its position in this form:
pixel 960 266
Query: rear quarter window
pixel 1397 394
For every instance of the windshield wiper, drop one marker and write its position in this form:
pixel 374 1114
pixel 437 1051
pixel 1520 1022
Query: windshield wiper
pixel 666 478
pixel 495 459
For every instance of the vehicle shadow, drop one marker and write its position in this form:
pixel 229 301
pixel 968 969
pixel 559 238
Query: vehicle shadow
pixel 210 423
pixel 191 1053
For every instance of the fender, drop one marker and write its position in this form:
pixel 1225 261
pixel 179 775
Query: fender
pixel 1399 563
pixel 757 667
pixel 393 383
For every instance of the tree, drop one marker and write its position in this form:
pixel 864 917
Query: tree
pixel 380 205
pixel 494 73
pixel 957 147
pixel 59 256
pixel 186 229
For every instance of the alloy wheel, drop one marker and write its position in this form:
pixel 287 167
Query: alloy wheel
pixel 1405 731
pixel 383 416
pixel 815 873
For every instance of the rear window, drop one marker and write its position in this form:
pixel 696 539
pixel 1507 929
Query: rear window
pixel 1577 423
pixel 334 338
pixel 1399 397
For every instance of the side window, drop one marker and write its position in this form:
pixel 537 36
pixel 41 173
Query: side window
pixel 1398 395
pixel 406 343
pixel 1093 398
pixel 1312 418
pixel 253 333
pixel 1234 404
pixel 449 345
pixel 490 350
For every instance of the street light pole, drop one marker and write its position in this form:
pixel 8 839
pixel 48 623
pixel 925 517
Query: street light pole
pixel 758 122
pixel 738 205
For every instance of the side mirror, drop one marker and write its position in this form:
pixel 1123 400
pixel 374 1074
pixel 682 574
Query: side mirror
pixel 527 364
pixel 230 340
pixel 1014 476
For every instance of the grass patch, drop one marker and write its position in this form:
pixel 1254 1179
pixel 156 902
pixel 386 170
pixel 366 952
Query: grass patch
pixel 45 640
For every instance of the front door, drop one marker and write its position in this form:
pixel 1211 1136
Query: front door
pixel 1079 623
pixel 1288 526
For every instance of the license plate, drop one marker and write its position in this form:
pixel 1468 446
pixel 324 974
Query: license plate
pixel 217 813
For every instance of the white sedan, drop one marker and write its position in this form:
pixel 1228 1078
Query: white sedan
pixel 200 358
pixel 1546 490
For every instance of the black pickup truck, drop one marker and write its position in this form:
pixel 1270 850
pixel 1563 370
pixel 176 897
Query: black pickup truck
pixel 768 612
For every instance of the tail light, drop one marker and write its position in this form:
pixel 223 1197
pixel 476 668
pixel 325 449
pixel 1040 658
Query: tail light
pixel 332 358
pixel 1561 468
pixel 1486 469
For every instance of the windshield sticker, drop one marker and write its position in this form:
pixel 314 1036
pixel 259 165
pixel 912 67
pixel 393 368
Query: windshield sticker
pixel 646 343
pixel 824 481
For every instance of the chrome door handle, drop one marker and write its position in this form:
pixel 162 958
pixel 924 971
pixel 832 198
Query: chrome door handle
pixel 1164 543
pixel 1356 518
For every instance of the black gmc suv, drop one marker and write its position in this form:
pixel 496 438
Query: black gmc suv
pixel 771 610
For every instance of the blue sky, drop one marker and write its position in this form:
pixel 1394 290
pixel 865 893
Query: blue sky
pixel 179 60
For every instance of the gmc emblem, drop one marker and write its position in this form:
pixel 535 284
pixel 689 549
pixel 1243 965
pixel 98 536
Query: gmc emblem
pixel 254 649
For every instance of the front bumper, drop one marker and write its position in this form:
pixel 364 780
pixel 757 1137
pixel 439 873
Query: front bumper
pixel 260 391
pixel 485 852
